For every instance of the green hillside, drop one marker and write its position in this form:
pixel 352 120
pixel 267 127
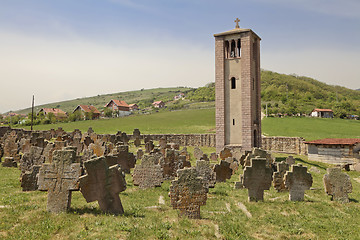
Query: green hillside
pixel 286 94
pixel 142 97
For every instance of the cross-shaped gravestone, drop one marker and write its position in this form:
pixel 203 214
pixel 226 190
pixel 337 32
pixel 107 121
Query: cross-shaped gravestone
pixel 223 171
pixel 257 178
pixel 225 153
pixel 290 160
pixel 188 192
pixel 278 176
pixel 137 142
pixel 33 157
pixel 237 20
pixel 198 153
pixel 205 171
pixel 148 174
pixel 149 146
pixel 103 183
pixel 298 180
pixel 60 178
pixel 337 184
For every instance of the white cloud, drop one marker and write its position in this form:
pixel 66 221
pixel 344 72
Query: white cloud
pixel 56 70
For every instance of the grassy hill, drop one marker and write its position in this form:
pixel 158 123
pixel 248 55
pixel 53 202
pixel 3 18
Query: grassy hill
pixel 142 97
pixel 287 94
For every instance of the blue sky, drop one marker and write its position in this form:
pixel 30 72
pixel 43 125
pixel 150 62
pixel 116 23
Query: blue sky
pixel 60 50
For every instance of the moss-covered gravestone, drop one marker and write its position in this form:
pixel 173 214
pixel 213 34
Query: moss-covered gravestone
pixel 298 180
pixel 148 174
pixel 103 183
pixel 337 184
pixel 257 178
pixel 60 178
pixel 188 192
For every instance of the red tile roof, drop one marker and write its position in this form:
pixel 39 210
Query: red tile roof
pixel 157 102
pixel 322 110
pixel 335 141
pixel 89 108
pixel 118 103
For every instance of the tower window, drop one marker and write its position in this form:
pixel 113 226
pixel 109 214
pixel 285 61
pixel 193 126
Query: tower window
pixel 234 122
pixel 227 49
pixel 238 49
pixel 253 84
pixel 233 83
pixel 232 47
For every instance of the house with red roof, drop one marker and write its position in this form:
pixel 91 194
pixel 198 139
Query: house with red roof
pixel 88 109
pixel 158 104
pixel 334 150
pixel 133 107
pixel 120 108
pixel 58 113
pixel 322 113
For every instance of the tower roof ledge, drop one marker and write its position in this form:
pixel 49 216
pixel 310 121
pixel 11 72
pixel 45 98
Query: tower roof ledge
pixel 234 31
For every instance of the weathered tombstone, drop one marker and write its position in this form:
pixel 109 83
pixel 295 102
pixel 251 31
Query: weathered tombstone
pixel 32 157
pixel 198 153
pixel 103 183
pixel 88 140
pixel 137 142
pixel 147 139
pixel 162 143
pixel 184 152
pixel 297 181
pixel 337 184
pixel 9 162
pixel 225 153
pixel 139 153
pixel 175 146
pixel 29 180
pixel 149 146
pixel 357 167
pixel 278 176
pixel 223 171
pixel 257 178
pixel 290 160
pixel 124 158
pixel 10 145
pixel 188 193
pixel 60 178
pixel 204 157
pixel 259 153
pixel 98 147
pixel 205 171
pixel 213 157
pixel 136 133
pixel 148 174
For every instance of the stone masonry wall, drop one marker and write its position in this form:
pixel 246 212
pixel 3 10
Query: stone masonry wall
pixel 292 145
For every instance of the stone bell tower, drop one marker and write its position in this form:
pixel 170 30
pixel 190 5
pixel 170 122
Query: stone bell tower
pixel 237 89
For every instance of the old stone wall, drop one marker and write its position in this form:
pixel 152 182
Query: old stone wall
pixel 291 145
pixel 198 140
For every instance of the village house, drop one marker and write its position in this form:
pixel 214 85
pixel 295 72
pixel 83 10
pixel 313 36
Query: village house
pixel 120 108
pixel 322 113
pixel 133 107
pixel 158 104
pixel 179 96
pixel 58 113
pixel 88 109
pixel 334 150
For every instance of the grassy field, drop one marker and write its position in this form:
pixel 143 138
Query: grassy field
pixel 311 128
pixel 186 121
pixel 203 121
pixel 23 214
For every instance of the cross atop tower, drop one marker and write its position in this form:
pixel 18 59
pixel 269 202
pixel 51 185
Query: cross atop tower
pixel 237 20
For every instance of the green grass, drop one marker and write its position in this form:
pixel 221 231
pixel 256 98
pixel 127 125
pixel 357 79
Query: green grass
pixel 311 128
pixel 203 121
pixel 23 214
pixel 186 122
